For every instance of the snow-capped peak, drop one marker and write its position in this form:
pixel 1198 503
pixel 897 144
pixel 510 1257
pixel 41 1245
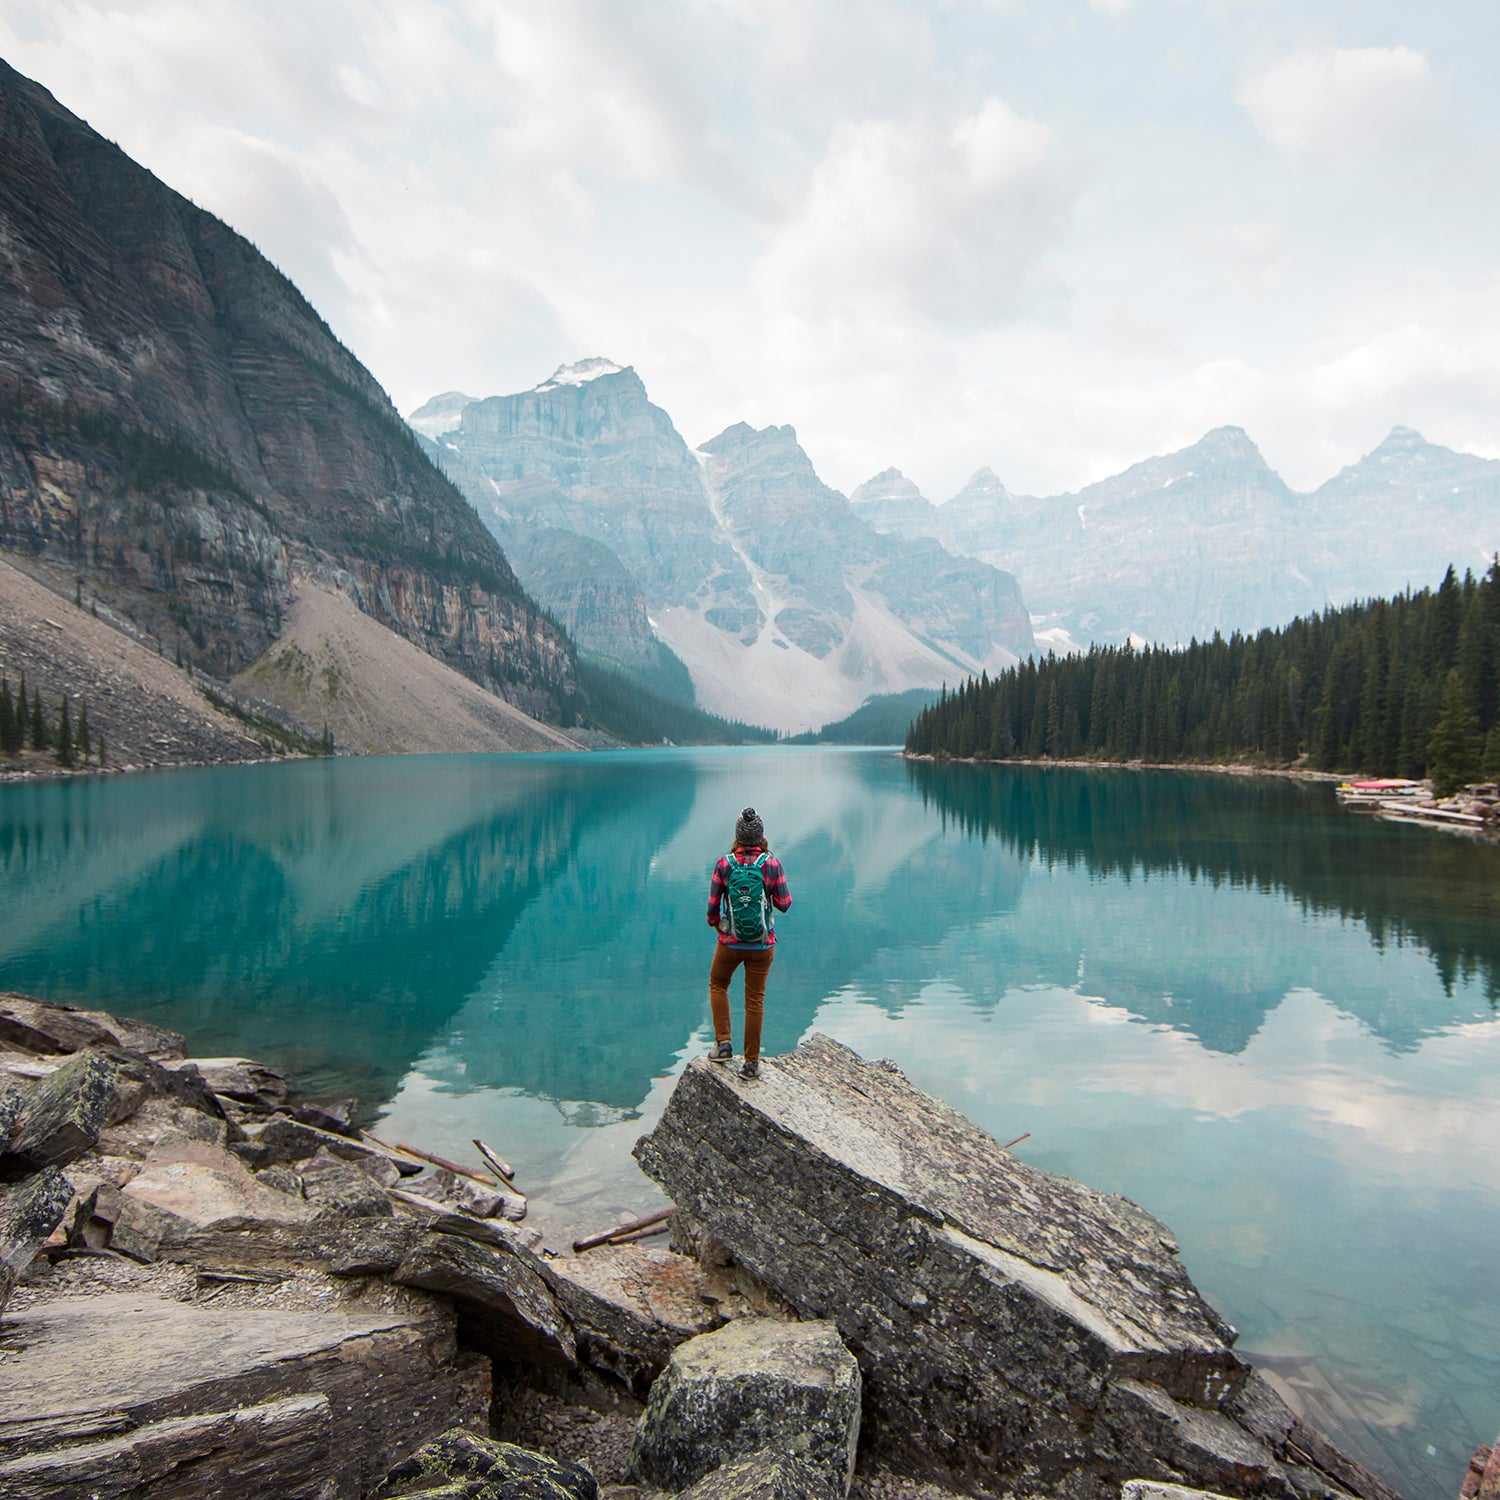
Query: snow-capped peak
pixel 580 373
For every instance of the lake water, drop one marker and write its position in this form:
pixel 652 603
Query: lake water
pixel 1271 1023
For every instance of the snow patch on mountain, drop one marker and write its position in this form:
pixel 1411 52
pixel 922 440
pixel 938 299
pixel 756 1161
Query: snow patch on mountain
pixel 580 373
pixel 776 682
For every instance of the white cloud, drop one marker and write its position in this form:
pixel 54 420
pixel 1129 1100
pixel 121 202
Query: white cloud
pixel 1331 106
pixel 947 221
pixel 869 218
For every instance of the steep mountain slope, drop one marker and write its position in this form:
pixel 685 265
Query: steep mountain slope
pixel 182 438
pixel 785 606
pixel 1210 538
pixel 378 693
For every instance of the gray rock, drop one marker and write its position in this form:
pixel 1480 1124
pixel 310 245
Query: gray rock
pixel 629 1306
pixel 61 1116
pixel 268 1449
pixel 1151 1489
pixel 466 1195
pixel 162 1117
pixel 506 1309
pixel 283 1140
pixel 128 1394
pixel 139 1078
pixel 767 1475
pixel 1016 1330
pixel 462 1464
pixel 344 1188
pixel 333 1115
pixel 38 1026
pixel 753 1384
pixel 190 1187
pixel 29 1212
pixel 246 1082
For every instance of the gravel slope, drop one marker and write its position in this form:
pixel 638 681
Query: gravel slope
pixel 377 692
pixel 151 712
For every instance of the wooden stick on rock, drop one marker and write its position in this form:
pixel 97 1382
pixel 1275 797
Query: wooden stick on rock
pixel 588 1242
pixel 500 1165
pixel 451 1166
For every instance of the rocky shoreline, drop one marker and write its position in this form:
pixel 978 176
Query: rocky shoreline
pixel 207 1289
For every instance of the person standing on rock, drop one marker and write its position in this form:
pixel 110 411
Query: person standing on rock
pixel 748 888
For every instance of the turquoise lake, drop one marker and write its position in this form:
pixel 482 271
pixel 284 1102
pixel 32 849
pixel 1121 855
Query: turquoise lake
pixel 1271 1023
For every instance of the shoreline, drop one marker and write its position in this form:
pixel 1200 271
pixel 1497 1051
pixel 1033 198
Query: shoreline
pixel 1218 768
pixel 388 1291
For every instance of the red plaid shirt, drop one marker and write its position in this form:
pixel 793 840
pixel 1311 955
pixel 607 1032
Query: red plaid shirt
pixel 772 876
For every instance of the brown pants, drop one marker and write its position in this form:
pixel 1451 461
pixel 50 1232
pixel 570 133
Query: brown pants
pixel 757 962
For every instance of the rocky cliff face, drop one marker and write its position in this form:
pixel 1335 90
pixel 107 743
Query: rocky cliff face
pixel 785 606
pixel 181 434
pixel 1240 549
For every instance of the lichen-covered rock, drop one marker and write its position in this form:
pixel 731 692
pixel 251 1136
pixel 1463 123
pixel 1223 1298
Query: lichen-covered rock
pixel 767 1475
pixel 29 1212
pixel 1017 1331
pixel 461 1464
pixel 61 1116
pixel 754 1384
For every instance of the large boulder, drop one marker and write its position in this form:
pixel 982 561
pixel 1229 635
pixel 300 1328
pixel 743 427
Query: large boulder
pixel 129 1394
pixel 29 1212
pixel 754 1384
pixel 1017 1331
pixel 46 1027
pixel 61 1115
pixel 629 1306
pixel 767 1475
pixel 506 1308
pixel 461 1464
pixel 189 1187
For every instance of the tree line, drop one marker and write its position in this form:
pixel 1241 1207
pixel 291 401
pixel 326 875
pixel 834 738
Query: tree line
pixel 24 721
pixel 1406 686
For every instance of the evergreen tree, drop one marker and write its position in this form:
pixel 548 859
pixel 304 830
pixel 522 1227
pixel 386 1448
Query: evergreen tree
pixel 1489 765
pixel 41 736
pixel 101 748
pixel 7 718
pixel 64 735
pixel 1357 688
pixel 1453 749
pixel 82 740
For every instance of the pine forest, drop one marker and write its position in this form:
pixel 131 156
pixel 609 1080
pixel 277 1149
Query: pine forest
pixel 1388 687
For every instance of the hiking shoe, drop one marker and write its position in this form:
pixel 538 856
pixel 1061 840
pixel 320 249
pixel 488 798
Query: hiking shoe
pixel 723 1052
pixel 751 1069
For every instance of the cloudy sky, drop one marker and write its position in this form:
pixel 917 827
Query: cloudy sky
pixel 1049 236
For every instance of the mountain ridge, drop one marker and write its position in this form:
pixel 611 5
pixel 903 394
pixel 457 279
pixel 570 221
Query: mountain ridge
pixel 182 436
pixel 1244 550
pixel 781 601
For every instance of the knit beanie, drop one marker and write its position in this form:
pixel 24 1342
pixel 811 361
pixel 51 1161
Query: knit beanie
pixel 749 830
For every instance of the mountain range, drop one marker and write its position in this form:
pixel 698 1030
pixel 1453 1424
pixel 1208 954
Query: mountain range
pixel 732 559
pixel 189 457
pixel 1210 538
pixel 187 454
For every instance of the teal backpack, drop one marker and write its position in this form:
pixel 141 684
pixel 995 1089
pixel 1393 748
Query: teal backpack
pixel 748 913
